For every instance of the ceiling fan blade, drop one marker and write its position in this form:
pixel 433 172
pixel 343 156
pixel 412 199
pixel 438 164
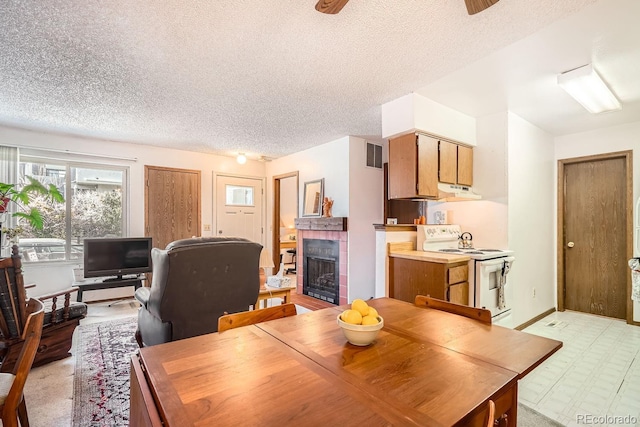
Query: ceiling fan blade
pixel 475 6
pixel 331 6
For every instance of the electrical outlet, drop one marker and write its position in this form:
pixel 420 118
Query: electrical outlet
pixel 534 292
pixel 207 227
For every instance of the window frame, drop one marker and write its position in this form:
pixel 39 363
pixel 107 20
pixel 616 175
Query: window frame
pixel 74 163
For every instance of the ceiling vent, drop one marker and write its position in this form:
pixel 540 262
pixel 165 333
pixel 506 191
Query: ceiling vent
pixel 374 155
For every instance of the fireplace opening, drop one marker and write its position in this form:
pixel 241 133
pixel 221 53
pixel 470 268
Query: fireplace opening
pixel 321 260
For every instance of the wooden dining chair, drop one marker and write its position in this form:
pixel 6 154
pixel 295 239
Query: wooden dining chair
pixel 492 414
pixel 481 314
pixel 244 318
pixel 12 404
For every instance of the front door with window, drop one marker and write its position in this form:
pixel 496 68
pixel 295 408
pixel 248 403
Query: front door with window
pixel 239 211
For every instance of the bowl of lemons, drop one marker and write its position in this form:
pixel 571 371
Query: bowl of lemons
pixel 361 323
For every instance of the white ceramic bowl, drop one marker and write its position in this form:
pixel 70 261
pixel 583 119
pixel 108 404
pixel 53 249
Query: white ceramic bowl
pixel 361 335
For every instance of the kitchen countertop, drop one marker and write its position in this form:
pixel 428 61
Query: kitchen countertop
pixel 442 258
pixel 394 227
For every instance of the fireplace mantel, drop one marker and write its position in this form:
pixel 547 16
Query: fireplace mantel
pixel 322 224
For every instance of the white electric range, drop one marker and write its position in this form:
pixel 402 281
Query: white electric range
pixel 488 268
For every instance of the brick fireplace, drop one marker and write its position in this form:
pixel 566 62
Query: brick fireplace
pixel 322 258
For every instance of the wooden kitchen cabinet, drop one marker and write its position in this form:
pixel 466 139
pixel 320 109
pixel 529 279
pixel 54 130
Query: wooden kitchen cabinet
pixel 408 278
pixel 465 166
pixel 418 162
pixel 413 167
pixel 455 163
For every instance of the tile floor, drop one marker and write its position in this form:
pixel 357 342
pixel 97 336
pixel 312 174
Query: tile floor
pixel 593 378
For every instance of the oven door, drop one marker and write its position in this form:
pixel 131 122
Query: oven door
pixel 488 278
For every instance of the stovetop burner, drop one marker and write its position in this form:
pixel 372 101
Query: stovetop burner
pixel 444 239
pixel 478 254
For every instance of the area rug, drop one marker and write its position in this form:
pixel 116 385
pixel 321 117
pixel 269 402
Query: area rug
pixel 101 379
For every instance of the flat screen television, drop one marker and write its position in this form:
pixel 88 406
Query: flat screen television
pixel 117 256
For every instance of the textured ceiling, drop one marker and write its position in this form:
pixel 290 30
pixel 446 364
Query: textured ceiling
pixel 268 77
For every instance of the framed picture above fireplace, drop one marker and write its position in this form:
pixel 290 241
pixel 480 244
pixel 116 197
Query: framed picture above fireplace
pixel 313 195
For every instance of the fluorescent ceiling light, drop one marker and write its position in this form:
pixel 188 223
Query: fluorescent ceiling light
pixel 242 159
pixel 586 87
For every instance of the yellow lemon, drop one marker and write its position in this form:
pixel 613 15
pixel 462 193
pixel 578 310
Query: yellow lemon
pixel 361 306
pixel 370 320
pixel 372 312
pixel 351 316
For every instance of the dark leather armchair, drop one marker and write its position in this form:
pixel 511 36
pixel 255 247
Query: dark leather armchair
pixel 194 282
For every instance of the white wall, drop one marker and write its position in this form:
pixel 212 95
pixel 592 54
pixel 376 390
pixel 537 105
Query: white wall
pixel 414 112
pixel 55 276
pixel 329 161
pixel 531 218
pixel 366 207
pixel 606 140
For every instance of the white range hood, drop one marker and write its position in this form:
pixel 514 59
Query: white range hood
pixel 455 193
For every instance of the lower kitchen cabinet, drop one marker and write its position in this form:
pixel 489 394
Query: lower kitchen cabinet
pixel 408 278
pixel 459 293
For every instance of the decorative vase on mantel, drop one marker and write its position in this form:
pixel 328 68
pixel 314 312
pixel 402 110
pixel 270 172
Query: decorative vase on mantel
pixel 327 204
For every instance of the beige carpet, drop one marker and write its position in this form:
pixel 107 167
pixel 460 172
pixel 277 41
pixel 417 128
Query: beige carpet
pixel 49 394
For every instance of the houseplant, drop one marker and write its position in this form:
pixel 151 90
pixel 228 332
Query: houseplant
pixel 21 197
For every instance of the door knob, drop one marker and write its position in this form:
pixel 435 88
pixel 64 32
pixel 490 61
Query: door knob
pixel 570 244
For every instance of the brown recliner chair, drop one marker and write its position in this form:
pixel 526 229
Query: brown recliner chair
pixel 194 282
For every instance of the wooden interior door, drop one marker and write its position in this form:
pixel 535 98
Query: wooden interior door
pixel 595 202
pixel 172 204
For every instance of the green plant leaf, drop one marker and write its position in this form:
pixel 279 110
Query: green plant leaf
pixel 33 217
pixel 6 189
pixel 55 194
pixel 22 199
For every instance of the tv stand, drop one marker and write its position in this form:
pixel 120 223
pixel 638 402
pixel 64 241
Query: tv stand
pixel 118 278
pixel 108 283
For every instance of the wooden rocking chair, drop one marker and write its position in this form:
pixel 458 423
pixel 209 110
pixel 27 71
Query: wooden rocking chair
pixel 59 322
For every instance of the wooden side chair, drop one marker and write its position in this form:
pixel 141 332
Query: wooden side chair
pixel 60 319
pixel 481 314
pixel 492 414
pixel 12 404
pixel 244 318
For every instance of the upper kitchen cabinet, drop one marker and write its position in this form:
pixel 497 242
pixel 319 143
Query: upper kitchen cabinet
pixel 418 162
pixel 413 167
pixel 455 164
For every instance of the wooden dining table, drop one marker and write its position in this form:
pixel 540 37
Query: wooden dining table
pixel 426 367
